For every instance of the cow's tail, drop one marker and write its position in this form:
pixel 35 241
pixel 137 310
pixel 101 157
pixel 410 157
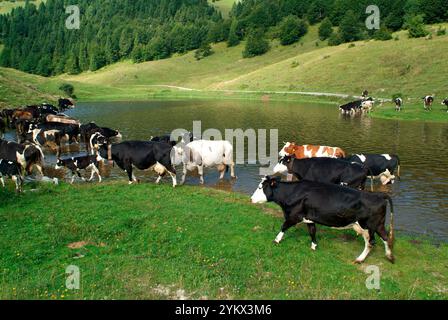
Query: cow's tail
pixel 398 167
pixel 391 238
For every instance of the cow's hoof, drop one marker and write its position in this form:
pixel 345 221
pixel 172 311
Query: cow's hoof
pixel 358 261
pixel 275 242
pixel 391 258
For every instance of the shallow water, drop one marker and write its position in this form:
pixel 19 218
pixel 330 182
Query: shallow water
pixel 420 198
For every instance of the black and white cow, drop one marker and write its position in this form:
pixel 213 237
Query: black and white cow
pixel 75 164
pixel 12 170
pixel 398 104
pixel 351 107
pixel 27 155
pixel 143 155
pixel 381 166
pixel 88 130
pixel 367 104
pixel 44 138
pixel 427 102
pixel 332 206
pixel 445 103
pixel 68 131
pixel 326 170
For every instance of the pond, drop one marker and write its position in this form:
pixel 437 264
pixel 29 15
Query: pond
pixel 420 198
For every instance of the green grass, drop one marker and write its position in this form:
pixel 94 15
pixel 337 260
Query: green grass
pixel 223 5
pixel 7 6
pixel 151 242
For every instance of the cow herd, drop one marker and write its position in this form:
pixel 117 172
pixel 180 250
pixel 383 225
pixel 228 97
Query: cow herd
pixel 329 189
pixel 366 105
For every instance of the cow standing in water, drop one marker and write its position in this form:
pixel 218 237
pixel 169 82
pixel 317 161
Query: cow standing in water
pixel 310 151
pixel 427 102
pixel 204 153
pixel 332 206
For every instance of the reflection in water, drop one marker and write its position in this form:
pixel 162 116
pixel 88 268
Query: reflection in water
pixel 420 197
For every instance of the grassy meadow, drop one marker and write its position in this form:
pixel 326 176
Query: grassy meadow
pixel 7 6
pixel 155 242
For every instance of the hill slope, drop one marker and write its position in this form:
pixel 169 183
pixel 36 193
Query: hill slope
pixel 413 67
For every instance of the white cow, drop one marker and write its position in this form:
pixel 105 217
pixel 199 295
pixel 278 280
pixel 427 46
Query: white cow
pixel 204 153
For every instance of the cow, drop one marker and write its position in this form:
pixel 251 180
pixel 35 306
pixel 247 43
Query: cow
pixel 7 115
pixel 165 138
pixel 69 131
pixel 445 103
pixel 310 151
pixel 351 107
pixel 75 164
pixel 27 155
pixel 365 94
pixel 367 104
pixel 427 102
pixel 332 206
pixel 205 153
pixel 381 166
pixel 19 115
pixel 325 170
pixel 12 170
pixel 398 104
pixel 64 104
pixel 88 130
pixel 42 137
pixel 143 155
pixel 2 127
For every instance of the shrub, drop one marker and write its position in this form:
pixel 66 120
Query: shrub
pixel 68 89
pixel 383 34
pixel 441 31
pixel 325 29
pixel 204 51
pixel 256 44
pixel 335 39
pixel 291 29
pixel 416 27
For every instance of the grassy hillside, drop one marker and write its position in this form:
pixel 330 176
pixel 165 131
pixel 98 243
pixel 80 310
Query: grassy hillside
pixel 413 67
pixel 223 5
pixel 129 242
pixel 7 6
pixel 18 88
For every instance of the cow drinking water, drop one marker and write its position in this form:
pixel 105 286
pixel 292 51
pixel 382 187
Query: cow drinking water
pixel 332 206
pixel 75 164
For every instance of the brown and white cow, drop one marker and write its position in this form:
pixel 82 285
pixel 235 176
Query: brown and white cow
pixel 310 151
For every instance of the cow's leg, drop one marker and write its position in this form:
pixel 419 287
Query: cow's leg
pixel 79 175
pixel 16 181
pixel 3 181
pixel 381 231
pixel 286 225
pixel 201 173
pixel 128 170
pixel 232 170
pixel 184 174
pixel 367 246
pixel 312 232
pixel 73 178
pixel 173 177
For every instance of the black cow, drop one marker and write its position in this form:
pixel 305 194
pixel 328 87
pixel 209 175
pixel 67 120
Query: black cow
pixel 398 104
pixel 332 206
pixel 7 115
pixel 427 102
pixel 12 170
pixel 27 155
pixel 88 130
pixel 143 155
pixel 75 164
pixel 381 166
pixel 65 104
pixel 327 170
pixel 445 103
pixel 2 127
pixel 351 107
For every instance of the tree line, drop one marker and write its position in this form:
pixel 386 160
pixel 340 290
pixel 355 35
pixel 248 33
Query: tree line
pixel 36 39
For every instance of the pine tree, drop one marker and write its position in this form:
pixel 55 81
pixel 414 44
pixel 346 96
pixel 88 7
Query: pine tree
pixel 256 44
pixel 325 29
pixel 292 29
pixel 233 39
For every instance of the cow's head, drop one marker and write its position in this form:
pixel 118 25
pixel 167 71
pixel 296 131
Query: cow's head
pixel 59 164
pixel 445 102
pixel 288 149
pixel 265 190
pixel 97 140
pixel 284 165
